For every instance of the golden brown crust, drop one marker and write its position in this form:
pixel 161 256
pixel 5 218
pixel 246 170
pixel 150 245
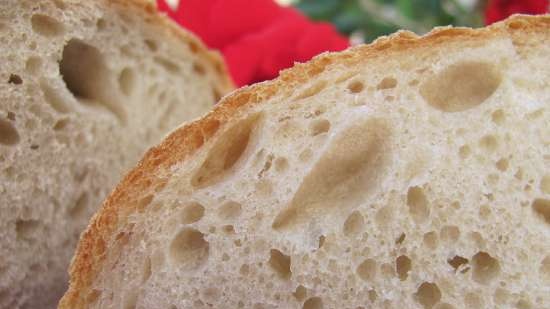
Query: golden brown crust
pixel 148 176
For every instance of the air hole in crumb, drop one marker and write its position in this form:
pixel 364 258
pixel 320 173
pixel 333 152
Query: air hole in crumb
pixel 418 204
pixel 194 47
pixel 167 64
pixel 523 304
pixel 477 239
pixel 46 25
pixel 387 83
pixel 346 172
pixel 15 79
pixel 244 270
pixel 322 239
pixel 33 65
pixel 313 90
pixel 354 224
pixel 457 261
pixel 403 265
pixel 464 151
pixel 313 303
pixel 372 295
pixel 430 240
pixel 502 165
pixel 26 229
pixel 192 212
pixel 8 133
pixel 127 80
pixel 216 94
pixel 267 165
pixel 485 268
pixel 545 268
pixel 229 210
pixel 87 77
pixel 225 153
pixel 319 126
pixel 189 249
pixel 151 45
pixel 280 263
pixel 498 116
pixel 101 24
pixel 228 229
pixel 146 270
pixel 461 86
pixel 450 233
pixel 536 114
pixel 367 270
pixel 300 293
pixel 356 86
pixel 484 212
pixel 400 239
pixel 144 202
pixel 281 164
pixel 545 184
pixel 60 4
pixel 428 294
pixel 79 207
pixel 542 208
pixel 489 143
pixel 199 68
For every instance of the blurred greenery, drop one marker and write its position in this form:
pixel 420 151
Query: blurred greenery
pixel 370 19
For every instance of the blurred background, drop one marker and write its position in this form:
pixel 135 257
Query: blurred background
pixel 365 20
pixel 259 38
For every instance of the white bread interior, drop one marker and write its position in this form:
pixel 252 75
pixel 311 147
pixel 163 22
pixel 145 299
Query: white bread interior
pixel 85 88
pixel 410 173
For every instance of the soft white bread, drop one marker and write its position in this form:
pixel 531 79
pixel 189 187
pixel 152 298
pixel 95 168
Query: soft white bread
pixel 86 87
pixel 409 173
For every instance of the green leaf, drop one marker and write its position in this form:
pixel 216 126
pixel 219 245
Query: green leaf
pixel 348 21
pixel 318 9
pixel 367 16
pixel 406 8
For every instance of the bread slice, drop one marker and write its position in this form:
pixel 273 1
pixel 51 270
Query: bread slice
pixel 85 88
pixel 409 173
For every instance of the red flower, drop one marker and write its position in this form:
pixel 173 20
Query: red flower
pixel 500 9
pixel 257 38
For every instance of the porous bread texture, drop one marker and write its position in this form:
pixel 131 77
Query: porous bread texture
pixel 85 88
pixel 410 173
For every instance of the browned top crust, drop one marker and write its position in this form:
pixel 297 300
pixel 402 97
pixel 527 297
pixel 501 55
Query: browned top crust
pixel 136 190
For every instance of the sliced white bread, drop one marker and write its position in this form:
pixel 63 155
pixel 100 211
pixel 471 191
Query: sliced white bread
pixel 85 88
pixel 409 173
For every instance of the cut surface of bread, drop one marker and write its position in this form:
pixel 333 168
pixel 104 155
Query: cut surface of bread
pixel 409 173
pixel 85 88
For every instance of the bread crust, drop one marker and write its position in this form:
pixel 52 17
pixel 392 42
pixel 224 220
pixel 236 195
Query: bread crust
pixel 149 175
